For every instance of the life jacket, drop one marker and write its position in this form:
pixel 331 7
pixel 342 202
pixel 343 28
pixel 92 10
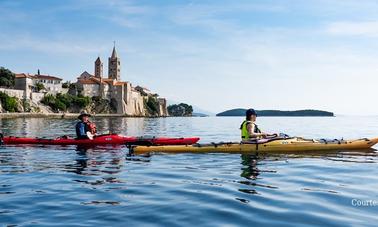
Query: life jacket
pixel 92 127
pixel 244 131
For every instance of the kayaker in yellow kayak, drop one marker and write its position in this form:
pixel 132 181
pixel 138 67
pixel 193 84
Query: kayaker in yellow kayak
pixel 249 128
pixel 84 128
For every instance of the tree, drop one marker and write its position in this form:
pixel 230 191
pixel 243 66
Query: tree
pixel 7 78
pixel 66 84
pixel 8 103
pixel 39 87
pixel 152 105
pixel 64 101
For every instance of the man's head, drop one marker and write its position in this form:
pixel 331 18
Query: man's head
pixel 84 116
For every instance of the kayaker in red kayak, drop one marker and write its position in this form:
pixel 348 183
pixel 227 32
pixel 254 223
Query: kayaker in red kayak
pixel 249 129
pixel 84 128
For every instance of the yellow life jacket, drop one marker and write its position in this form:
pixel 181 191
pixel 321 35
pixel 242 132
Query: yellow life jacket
pixel 244 131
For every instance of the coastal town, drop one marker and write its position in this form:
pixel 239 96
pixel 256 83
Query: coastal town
pixel 115 95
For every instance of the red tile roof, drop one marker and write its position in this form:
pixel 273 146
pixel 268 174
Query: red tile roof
pixel 47 77
pixel 88 81
pixel 98 80
pixel 43 77
pixel 119 83
pixel 94 80
pixel 22 75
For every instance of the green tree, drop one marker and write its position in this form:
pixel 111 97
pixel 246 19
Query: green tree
pixel 47 99
pixel 59 105
pixel 65 98
pixel 7 78
pixel 66 84
pixel 65 101
pixel 152 105
pixel 39 87
pixel 81 101
pixel 9 103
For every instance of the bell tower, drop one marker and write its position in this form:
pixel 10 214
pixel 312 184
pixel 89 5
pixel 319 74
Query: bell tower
pixel 98 68
pixel 114 66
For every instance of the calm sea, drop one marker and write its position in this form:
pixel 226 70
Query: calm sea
pixel 64 186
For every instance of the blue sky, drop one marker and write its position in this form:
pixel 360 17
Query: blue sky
pixel 218 55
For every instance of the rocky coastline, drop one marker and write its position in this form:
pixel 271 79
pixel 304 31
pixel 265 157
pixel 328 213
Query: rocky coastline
pixel 62 115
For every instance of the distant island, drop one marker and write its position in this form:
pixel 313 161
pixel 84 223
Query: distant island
pixel 279 113
pixel 199 115
pixel 180 110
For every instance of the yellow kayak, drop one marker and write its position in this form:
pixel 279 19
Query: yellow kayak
pixel 284 145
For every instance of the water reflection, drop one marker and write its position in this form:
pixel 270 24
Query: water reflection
pixel 251 173
pixel 55 127
pixel 249 169
pixel 95 161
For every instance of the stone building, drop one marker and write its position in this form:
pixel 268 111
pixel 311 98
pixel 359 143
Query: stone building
pixel 28 82
pixel 127 99
pixel 26 86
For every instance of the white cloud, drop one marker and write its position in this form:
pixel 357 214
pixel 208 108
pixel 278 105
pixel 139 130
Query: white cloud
pixel 26 42
pixel 124 21
pixel 211 15
pixel 121 12
pixel 367 28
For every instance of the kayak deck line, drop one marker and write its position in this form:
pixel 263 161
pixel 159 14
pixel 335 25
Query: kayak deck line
pixel 281 145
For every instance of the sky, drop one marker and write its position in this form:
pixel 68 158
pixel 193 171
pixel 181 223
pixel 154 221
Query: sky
pixel 218 55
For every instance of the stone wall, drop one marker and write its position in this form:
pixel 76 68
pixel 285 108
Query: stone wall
pixel 163 111
pixel 36 97
pixel 106 94
pixel 13 92
pixel 128 101
pixel 90 90
pixel 136 103
pixel 117 95
pixel 65 90
pixel 20 94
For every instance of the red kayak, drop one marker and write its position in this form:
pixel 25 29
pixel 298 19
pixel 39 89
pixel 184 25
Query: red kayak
pixel 108 139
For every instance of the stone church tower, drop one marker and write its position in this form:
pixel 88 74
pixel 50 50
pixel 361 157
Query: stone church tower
pixel 98 68
pixel 114 66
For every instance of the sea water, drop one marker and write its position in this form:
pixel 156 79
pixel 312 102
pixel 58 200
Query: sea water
pixel 104 186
